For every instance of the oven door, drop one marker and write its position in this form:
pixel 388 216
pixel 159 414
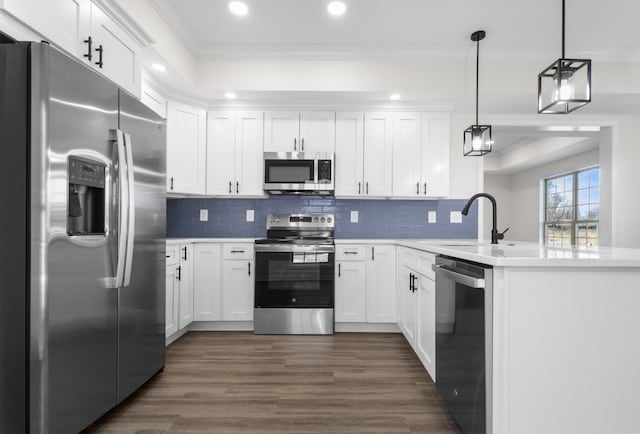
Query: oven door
pixel 294 276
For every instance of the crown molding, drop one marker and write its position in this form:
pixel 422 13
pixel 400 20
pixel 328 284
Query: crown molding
pixel 116 12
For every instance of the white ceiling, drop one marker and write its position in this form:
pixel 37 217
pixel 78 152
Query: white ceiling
pixel 405 28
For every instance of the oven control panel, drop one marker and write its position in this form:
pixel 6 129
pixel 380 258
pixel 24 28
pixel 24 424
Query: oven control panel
pixel 290 221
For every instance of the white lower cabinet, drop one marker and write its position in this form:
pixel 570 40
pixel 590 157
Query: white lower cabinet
pixel 416 304
pixel 237 290
pixel 178 288
pixel 350 291
pixel 365 283
pixel 207 282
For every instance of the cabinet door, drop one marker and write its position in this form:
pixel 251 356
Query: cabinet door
pixel 377 154
pixel 350 292
pixel 281 132
pixel 426 338
pixel 409 308
pixel 207 294
pixel 317 131
pixel 249 157
pixel 349 153
pixel 153 99
pixel 186 286
pixel 172 302
pixel 237 290
pixel 221 156
pixel 381 284
pixel 435 154
pixel 120 53
pixel 406 155
pixel 186 149
pixel 65 23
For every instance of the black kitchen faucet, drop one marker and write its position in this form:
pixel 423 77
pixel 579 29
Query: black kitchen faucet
pixel 495 235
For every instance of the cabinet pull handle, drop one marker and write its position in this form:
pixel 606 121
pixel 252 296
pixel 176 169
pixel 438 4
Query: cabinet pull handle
pixel 100 50
pixel 171 186
pixel 367 187
pixel 237 251
pixel 168 256
pixel 185 253
pixel 237 187
pixel 359 186
pixel 179 276
pixel 418 187
pixel 89 54
pixel 295 141
pixel 373 256
pixel 425 188
pixel 249 264
pixel 302 144
pixel 230 184
pixel 339 270
pixel 350 253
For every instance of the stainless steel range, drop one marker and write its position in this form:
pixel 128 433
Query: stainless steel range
pixel 294 277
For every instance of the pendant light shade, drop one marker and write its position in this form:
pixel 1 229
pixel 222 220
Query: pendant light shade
pixel 477 138
pixel 565 85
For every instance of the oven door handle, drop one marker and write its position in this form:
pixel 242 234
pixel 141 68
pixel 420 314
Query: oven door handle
pixel 274 248
pixel 469 281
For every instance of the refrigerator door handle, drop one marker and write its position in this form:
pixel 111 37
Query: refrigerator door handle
pixel 123 200
pixel 131 209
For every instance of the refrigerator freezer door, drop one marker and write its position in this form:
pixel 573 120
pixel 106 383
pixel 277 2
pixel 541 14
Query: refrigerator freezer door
pixel 73 304
pixel 141 303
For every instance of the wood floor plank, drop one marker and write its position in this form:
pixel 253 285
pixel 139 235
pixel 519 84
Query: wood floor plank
pixel 238 382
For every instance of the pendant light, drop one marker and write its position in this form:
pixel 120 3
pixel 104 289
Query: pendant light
pixel 566 84
pixel 477 138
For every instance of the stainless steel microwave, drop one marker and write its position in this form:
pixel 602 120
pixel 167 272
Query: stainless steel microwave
pixel 299 173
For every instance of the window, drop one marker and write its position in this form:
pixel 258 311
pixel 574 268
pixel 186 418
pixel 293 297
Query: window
pixel 572 208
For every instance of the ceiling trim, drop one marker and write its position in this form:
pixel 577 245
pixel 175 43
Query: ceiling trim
pixel 177 29
pixel 115 11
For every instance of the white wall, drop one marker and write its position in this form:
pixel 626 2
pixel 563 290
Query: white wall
pixel 519 196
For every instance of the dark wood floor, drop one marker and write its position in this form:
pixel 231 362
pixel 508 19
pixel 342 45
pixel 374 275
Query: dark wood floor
pixel 237 382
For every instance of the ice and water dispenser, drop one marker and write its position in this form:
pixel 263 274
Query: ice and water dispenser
pixel 86 206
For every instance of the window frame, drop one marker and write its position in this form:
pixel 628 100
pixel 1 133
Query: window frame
pixel 574 221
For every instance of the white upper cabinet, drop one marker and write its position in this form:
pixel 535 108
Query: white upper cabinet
pixel 421 155
pixel 186 149
pixel 435 154
pixel 349 153
pixel 115 53
pixel 84 30
pixel 65 23
pixel 378 154
pixel 406 154
pixel 153 99
pixel 299 131
pixel 234 154
pixel 317 131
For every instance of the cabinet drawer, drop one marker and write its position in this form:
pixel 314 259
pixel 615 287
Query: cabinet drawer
pixel 350 252
pixel 173 254
pixel 424 261
pixel 408 257
pixel 238 251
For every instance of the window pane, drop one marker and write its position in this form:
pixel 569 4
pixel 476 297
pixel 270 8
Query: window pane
pixel 583 180
pixel 583 212
pixel 568 183
pixel 551 186
pixel 594 212
pixel 583 196
pixel 594 177
pixel 594 195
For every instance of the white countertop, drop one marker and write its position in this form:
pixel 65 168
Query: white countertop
pixel 505 254
pixel 527 254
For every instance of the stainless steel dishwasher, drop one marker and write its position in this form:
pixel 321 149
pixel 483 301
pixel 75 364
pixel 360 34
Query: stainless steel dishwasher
pixel 464 318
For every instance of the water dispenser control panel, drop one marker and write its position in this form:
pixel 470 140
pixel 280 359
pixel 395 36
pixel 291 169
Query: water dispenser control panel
pixel 85 172
pixel 86 207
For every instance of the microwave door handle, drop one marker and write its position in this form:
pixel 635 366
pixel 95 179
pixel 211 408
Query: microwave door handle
pixel 123 215
pixel 131 208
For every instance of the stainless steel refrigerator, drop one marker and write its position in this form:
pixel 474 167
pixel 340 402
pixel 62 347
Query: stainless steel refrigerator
pixel 83 242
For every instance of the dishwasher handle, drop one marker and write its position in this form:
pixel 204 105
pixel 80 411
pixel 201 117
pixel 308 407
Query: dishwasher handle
pixel 470 281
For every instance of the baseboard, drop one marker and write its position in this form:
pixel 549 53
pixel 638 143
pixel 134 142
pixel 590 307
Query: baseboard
pixel 355 327
pixel 174 337
pixel 217 326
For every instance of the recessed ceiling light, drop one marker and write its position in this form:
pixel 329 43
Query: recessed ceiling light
pixel 159 67
pixel 336 8
pixel 394 96
pixel 238 8
pixel 230 95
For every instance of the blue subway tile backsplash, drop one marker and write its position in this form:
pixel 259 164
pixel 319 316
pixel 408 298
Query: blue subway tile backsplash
pixel 378 219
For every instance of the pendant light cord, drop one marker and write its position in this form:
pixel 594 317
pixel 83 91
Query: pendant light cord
pixel 477 75
pixel 563 19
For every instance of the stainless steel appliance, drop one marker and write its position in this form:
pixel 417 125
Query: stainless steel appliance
pixel 82 299
pixel 464 326
pixel 299 173
pixel 294 277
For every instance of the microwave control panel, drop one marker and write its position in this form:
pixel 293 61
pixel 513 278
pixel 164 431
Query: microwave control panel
pixel 324 170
